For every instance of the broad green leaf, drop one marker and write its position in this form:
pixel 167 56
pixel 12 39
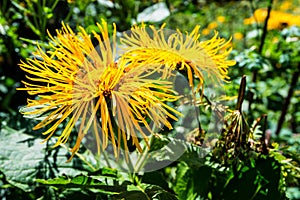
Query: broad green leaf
pixel 193 182
pixel 20 159
pixel 83 182
pixel 23 159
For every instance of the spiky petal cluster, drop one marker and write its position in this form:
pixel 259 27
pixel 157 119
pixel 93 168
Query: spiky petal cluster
pixel 76 82
pixel 177 51
pixel 116 99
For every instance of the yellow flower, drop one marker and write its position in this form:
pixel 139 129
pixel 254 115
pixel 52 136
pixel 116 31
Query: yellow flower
pixel 205 31
pixel 260 15
pixel 277 20
pixel 212 25
pixel 221 19
pixel 238 36
pixel 179 52
pixel 80 84
pixel 249 20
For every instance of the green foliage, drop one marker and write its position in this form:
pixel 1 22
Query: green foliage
pixel 256 179
pixel 105 181
pixel 249 161
pixel 23 159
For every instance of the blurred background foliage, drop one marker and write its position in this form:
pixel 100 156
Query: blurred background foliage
pixel 257 155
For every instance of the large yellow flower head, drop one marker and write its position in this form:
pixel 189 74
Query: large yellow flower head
pixel 115 97
pixel 76 82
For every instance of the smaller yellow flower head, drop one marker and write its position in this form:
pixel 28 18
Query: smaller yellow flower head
pixel 238 35
pixel 221 19
pixel 177 51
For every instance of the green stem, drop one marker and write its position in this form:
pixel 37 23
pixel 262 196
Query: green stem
pixel 106 159
pixel 141 160
pixel 54 5
pixel 70 13
pixel 43 20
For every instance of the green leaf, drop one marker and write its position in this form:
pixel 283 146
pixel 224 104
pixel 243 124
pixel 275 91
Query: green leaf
pixel 106 172
pixel 91 28
pixel 259 182
pixel 156 192
pixel 23 159
pixel 145 191
pixel 155 178
pixel 127 195
pixel 182 188
pixel 84 182
pixel 62 180
pixel 19 158
pixel 48 12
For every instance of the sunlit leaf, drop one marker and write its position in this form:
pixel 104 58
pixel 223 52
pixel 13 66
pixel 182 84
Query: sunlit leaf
pixel 23 159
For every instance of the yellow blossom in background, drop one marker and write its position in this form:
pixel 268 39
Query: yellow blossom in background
pixel 248 21
pixel 277 20
pixel 221 19
pixel 212 25
pixel 205 31
pixel 77 83
pixel 238 36
pixel 179 52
